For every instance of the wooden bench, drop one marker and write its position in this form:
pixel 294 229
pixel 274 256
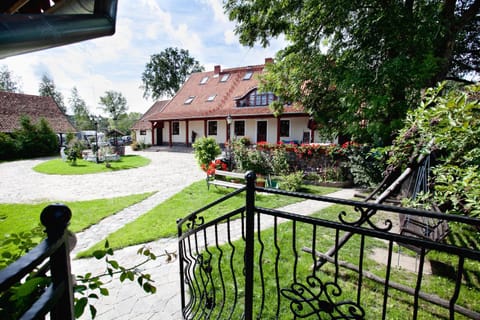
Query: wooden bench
pixel 213 179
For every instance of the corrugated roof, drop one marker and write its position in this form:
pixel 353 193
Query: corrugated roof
pixel 15 105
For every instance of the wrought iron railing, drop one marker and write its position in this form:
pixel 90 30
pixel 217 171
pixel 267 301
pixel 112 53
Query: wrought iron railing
pixel 49 260
pixel 350 261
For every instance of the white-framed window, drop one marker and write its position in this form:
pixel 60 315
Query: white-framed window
pixel 204 80
pixel 143 132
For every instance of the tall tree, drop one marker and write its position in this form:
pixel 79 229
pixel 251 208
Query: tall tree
pixel 114 103
pixel 47 88
pixel 167 71
pixel 358 66
pixel 81 115
pixel 126 121
pixel 7 81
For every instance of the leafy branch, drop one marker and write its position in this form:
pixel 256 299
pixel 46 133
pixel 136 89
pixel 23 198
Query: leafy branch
pixel 91 287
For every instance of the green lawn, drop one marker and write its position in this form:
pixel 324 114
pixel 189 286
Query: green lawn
pixel 16 218
pixel 281 269
pixel 160 222
pixel 58 166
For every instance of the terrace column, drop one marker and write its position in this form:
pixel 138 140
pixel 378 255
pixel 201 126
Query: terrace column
pixel 170 143
pixel 278 129
pixel 186 133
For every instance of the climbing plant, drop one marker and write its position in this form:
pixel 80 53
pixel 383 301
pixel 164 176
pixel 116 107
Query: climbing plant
pixel 447 125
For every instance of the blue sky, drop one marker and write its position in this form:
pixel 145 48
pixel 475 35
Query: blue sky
pixel 144 27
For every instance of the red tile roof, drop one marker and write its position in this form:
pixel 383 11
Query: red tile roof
pixel 15 105
pixel 142 123
pixel 225 95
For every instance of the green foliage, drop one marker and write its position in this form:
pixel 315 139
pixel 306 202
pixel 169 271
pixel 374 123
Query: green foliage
pixel 87 287
pixel 47 88
pixel 15 301
pixel 81 115
pixel 114 103
pixel 7 80
pixel 255 160
pixel 34 140
pixel 279 162
pixel 167 71
pixel 8 147
pixel 206 149
pixel 292 181
pixel 366 165
pixel 139 145
pixel 74 150
pixel 357 67
pixel 447 123
pixel 90 287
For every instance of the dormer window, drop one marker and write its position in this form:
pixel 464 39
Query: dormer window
pixel 211 97
pixel 248 75
pixel 204 80
pixel 225 77
pixel 256 99
pixel 189 100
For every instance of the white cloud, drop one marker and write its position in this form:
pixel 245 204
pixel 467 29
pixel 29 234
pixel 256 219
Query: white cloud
pixel 217 7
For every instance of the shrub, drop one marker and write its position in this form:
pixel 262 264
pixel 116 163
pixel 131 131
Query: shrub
pixel 366 165
pixel 8 147
pixel 74 150
pixel 292 181
pixel 136 145
pixel 245 141
pixel 35 140
pixel 206 150
pixel 279 162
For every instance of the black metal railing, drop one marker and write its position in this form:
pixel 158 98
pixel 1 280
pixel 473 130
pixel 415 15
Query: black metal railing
pixel 49 260
pixel 350 261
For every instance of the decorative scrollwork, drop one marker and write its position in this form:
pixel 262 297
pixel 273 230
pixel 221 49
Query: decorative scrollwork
pixel 365 215
pixel 195 221
pixel 318 298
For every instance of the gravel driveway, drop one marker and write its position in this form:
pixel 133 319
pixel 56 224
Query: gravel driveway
pixel 167 170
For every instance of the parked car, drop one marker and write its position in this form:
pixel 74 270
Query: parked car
pixel 127 140
pixel 116 141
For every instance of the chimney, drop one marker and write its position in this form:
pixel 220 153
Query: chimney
pixel 268 60
pixel 216 69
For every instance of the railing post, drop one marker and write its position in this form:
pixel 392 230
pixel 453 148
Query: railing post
pixel 180 264
pixel 56 218
pixel 250 178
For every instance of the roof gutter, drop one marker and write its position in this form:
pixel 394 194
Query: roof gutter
pixel 23 33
